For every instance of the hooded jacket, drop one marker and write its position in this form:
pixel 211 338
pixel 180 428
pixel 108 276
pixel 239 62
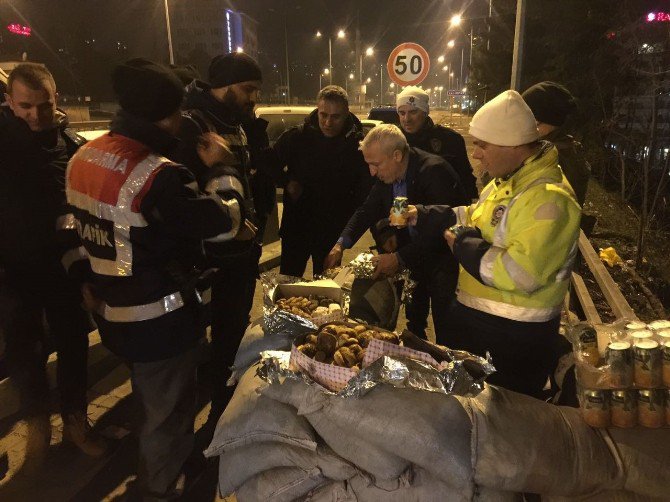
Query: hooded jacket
pixel 332 171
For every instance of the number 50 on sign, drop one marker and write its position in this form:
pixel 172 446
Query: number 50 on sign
pixel 408 64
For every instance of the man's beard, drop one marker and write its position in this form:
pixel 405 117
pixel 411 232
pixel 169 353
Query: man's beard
pixel 241 112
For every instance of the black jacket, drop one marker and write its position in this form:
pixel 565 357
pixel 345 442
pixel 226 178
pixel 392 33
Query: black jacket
pixel 32 190
pixel 449 145
pixel 332 171
pixel 203 113
pixel 428 178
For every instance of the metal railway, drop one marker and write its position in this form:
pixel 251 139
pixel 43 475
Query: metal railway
pixel 611 292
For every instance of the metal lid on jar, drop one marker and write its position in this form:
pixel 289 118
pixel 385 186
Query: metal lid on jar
pixel 660 324
pixel 646 344
pixel 632 326
pixel 664 334
pixel 641 335
pixel 619 346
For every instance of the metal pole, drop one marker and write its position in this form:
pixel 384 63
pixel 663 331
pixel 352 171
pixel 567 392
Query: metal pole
pixel 330 60
pixel 488 38
pixel 471 37
pixel 381 85
pixel 463 49
pixel 517 56
pixel 169 31
pixel 360 80
pixel 288 85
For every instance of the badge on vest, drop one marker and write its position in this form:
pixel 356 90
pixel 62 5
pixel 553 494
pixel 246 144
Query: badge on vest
pixel 498 213
pixel 435 145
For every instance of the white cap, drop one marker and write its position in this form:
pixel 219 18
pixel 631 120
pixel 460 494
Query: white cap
pixel 506 120
pixel 413 97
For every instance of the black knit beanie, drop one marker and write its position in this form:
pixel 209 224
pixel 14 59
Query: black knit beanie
pixel 550 102
pixel 146 89
pixel 233 68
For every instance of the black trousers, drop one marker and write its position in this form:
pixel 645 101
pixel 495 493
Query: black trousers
pixel 434 291
pixel 297 249
pixel 37 300
pixel 523 353
pixel 232 298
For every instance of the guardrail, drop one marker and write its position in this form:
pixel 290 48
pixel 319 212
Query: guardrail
pixel 90 125
pixel 613 296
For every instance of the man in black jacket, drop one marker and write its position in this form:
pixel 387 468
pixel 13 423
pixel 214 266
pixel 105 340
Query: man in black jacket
pixel 35 146
pixel 402 171
pixel 141 223
pixel 324 178
pixel 223 106
pixel 421 132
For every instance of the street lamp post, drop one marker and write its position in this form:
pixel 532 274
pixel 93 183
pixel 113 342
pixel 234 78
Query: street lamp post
pixel 340 34
pixel 169 31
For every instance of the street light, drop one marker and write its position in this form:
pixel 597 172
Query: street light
pixel 455 20
pixel 340 34
pixel 440 89
pixel 440 59
pixel 325 71
pixel 451 44
pixel 346 82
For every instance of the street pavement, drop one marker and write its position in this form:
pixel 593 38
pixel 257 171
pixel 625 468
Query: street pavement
pixel 65 474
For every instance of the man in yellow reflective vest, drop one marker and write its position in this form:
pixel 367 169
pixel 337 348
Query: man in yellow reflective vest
pixel 515 247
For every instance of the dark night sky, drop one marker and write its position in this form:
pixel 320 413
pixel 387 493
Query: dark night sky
pixel 383 24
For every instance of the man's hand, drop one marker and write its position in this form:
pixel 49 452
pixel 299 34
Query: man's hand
pixel 334 258
pixel 450 237
pixel 213 149
pixel 390 245
pixel 386 265
pixel 294 190
pixel 247 231
pixel 89 301
pixel 412 215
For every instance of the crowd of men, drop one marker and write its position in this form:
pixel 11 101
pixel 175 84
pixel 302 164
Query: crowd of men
pixel 153 231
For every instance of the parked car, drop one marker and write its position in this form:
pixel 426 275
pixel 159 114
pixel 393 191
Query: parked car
pixel 386 114
pixel 369 124
pixel 282 118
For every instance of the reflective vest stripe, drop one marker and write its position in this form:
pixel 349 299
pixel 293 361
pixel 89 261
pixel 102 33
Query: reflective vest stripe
pixel 66 222
pixel 513 312
pixel 486 265
pixel 102 210
pixel 461 213
pixel 225 183
pixel 235 215
pixel 153 310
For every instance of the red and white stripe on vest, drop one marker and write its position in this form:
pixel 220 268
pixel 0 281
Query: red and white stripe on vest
pixel 107 180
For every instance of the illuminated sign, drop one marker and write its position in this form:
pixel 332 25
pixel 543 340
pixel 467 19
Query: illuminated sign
pixel 18 29
pixel 658 17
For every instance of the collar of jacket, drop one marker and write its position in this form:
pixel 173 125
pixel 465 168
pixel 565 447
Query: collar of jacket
pixel 198 96
pixel 544 164
pixel 424 132
pixel 143 131
pixel 351 128
pixel 16 135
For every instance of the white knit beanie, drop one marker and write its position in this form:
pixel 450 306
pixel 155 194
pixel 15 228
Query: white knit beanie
pixel 506 120
pixel 413 97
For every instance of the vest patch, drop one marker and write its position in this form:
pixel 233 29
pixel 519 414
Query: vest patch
pixel 106 160
pixel 497 214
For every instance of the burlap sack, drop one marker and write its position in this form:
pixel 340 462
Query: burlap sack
pixel 521 444
pixel 607 496
pixel 422 488
pixel 253 343
pixel 429 430
pixel 283 484
pixel 253 418
pixel 240 464
pixel 645 454
pixel 346 443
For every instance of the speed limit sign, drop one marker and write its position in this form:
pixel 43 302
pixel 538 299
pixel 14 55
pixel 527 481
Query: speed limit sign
pixel 408 64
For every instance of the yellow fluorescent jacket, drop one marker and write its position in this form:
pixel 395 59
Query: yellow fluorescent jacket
pixel 532 222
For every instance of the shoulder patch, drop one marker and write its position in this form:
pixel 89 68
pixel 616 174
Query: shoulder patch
pixel 435 145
